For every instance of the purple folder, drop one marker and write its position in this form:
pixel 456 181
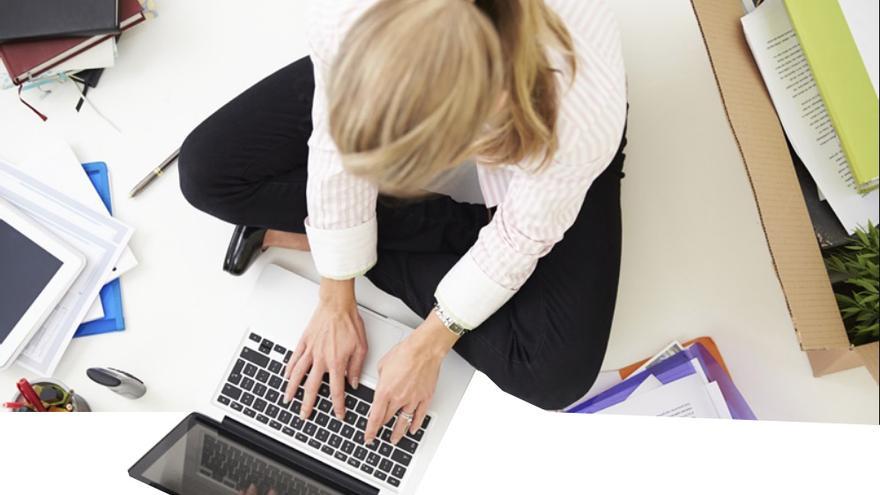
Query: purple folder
pixel 669 370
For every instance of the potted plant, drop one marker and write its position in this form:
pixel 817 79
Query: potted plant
pixel 854 269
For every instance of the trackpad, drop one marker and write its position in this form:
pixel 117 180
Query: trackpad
pixel 382 335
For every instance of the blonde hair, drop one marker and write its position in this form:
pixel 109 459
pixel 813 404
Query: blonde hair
pixel 421 85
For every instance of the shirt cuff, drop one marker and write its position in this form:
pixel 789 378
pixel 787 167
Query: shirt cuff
pixel 468 295
pixel 342 254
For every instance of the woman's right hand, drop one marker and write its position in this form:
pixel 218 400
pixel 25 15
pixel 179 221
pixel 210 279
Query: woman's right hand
pixel 334 341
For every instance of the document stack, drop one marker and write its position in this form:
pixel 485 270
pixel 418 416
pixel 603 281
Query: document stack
pixel 687 380
pixel 819 64
pixel 45 191
pixel 47 42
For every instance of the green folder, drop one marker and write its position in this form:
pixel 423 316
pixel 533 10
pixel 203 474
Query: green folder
pixel 843 82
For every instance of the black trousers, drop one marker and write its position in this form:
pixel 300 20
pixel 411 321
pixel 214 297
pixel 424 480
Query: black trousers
pixel 246 164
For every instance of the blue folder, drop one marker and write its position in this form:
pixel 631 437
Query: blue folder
pixel 111 293
pixel 671 369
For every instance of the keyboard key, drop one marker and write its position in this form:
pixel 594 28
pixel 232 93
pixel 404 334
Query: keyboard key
pixel 386 465
pixel 262 419
pixel 234 378
pixel 266 347
pixel 325 405
pixel 249 412
pixel 350 417
pixel 250 370
pixel 310 429
pixel 247 384
pixel 335 441
pixel 426 421
pixel 223 400
pixel 314 444
pixel 350 402
pixel 296 406
pixel 275 366
pixel 263 376
pixel 322 419
pixel 288 431
pixel 334 425
pixel 255 357
pixel 272 411
pixel 362 423
pixel 354 462
pixel 398 471
pixel 367 469
pixel 373 459
pixel 285 417
pixel 386 449
pixel 256 338
pixel 322 435
pixel 324 390
pixel 401 457
pixel 347 431
pixel 380 475
pixel 360 453
pixel 407 445
pixel 275 382
pixel 393 481
pixel 301 437
pixel 299 393
pixel 417 436
pixel 260 389
pixel 280 349
pixel 362 392
pixel 362 408
pixel 247 399
pixel 236 406
pixel 260 405
pixel 359 437
pixel 374 445
pixel 347 447
pixel 275 425
pixel 386 434
pixel 287 356
pixel 339 455
pixel 272 396
pixel 327 450
pixel 297 423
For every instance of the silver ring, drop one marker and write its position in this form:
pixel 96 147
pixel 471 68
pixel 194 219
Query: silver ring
pixel 407 416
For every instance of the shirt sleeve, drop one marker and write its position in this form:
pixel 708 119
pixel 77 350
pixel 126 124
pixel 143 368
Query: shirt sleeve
pixel 341 224
pixel 538 207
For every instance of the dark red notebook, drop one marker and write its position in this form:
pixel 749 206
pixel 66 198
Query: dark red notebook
pixel 26 60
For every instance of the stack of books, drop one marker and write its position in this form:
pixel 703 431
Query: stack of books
pixel 47 41
pixel 683 380
pixel 819 72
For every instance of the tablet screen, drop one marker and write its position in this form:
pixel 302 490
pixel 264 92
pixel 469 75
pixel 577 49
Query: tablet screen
pixel 25 269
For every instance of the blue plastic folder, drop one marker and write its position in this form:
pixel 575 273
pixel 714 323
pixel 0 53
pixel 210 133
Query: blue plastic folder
pixel 671 369
pixel 111 293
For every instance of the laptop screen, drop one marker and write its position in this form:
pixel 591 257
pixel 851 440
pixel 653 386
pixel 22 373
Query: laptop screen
pixel 199 458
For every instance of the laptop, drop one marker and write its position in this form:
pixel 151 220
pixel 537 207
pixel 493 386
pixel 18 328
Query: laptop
pixel 250 441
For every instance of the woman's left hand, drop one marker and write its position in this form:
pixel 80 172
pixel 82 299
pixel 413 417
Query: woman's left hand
pixel 407 379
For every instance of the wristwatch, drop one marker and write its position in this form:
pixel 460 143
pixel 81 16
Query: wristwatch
pixel 448 322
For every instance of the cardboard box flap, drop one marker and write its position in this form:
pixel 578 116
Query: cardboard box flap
pixel 870 354
pixel 761 142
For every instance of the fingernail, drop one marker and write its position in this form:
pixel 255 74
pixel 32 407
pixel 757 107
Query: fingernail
pixel 354 385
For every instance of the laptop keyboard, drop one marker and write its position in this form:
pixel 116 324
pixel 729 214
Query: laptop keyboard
pixel 256 386
pixel 238 469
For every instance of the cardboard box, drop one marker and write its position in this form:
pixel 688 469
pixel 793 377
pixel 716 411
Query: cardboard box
pixel 786 223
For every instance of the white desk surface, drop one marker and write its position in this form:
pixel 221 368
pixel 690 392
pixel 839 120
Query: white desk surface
pixel 694 262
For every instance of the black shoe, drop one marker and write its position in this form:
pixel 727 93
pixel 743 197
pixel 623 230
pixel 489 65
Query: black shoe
pixel 244 247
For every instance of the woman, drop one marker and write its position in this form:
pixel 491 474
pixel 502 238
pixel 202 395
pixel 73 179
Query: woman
pixel 394 94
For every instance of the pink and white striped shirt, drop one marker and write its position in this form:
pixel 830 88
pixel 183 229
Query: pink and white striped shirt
pixel 534 209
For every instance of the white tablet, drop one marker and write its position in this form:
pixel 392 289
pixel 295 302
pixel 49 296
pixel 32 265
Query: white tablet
pixel 36 270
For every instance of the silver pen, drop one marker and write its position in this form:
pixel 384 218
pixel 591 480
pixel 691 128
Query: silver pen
pixel 156 172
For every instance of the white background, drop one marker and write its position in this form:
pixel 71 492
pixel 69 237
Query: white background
pixel 695 263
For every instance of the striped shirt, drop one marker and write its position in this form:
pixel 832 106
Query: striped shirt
pixel 534 208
